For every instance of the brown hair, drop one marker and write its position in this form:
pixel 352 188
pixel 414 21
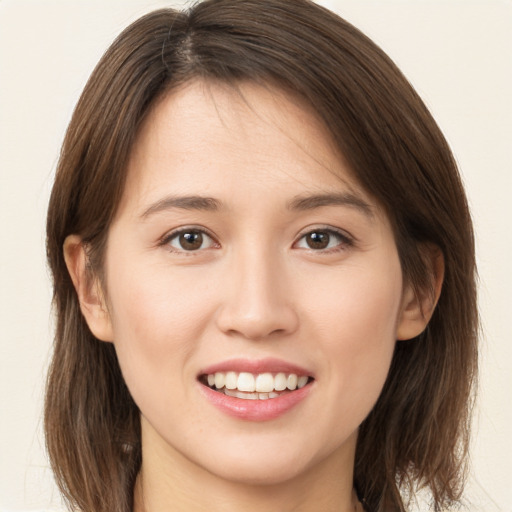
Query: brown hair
pixel 417 433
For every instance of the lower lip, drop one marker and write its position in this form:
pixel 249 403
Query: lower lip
pixel 255 410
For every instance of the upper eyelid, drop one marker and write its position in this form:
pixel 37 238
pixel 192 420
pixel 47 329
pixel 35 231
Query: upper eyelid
pixel 335 230
pixel 345 241
pixel 170 236
pixel 331 229
pixel 177 231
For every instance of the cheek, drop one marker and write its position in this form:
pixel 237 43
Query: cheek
pixel 151 305
pixel 356 324
pixel 358 305
pixel 157 322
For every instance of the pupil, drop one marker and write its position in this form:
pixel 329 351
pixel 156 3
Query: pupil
pixel 318 240
pixel 191 241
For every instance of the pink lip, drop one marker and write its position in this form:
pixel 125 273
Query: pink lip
pixel 255 410
pixel 269 365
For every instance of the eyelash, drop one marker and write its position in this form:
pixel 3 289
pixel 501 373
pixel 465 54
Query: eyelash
pixel 167 239
pixel 345 241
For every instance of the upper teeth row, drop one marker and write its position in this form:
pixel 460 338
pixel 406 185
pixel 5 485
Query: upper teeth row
pixel 261 382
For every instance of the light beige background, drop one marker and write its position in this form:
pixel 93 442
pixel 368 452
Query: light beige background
pixel 457 53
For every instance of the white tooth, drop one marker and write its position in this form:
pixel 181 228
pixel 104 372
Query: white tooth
pixel 231 380
pixel 280 382
pixel 273 395
pixel 219 380
pixel 263 396
pixel 292 381
pixel 230 392
pixel 240 394
pixel 302 381
pixel 265 382
pixel 246 382
pixel 251 396
pixel 211 379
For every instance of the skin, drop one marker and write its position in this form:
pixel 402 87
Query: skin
pixel 253 289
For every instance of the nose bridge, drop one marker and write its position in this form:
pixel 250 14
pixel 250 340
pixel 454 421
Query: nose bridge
pixel 257 305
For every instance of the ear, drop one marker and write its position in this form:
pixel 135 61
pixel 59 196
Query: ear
pixel 88 288
pixel 419 305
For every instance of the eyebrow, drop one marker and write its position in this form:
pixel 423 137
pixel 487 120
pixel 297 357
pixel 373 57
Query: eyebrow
pixel 299 203
pixel 184 203
pixel 311 202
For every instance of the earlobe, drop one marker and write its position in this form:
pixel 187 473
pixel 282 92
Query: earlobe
pixel 419 305
pixel 88 289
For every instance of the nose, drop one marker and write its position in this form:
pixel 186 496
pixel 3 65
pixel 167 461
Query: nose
pixel 258 303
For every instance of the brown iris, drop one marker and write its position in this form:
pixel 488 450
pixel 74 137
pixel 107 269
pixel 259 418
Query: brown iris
pixel 318 239
pixel 191 240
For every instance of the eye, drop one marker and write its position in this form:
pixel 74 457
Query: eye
pixel 323 240
pixel 189 240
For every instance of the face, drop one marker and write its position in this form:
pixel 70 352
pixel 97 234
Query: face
pixel 245 257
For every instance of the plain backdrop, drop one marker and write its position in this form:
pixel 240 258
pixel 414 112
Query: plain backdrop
pixel 457 53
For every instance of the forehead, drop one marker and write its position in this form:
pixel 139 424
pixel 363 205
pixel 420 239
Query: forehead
pixel 212 138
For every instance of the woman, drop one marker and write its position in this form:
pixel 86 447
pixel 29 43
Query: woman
pixel 264 274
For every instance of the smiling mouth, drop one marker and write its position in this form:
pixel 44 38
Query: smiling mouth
pixel 259 386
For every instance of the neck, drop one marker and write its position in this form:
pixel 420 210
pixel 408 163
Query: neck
pixel 170 482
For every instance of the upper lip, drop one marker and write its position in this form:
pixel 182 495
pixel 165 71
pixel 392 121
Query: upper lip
pixel 255 366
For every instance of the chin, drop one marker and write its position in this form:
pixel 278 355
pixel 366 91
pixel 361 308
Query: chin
pixel 256 473
pixel 270 463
